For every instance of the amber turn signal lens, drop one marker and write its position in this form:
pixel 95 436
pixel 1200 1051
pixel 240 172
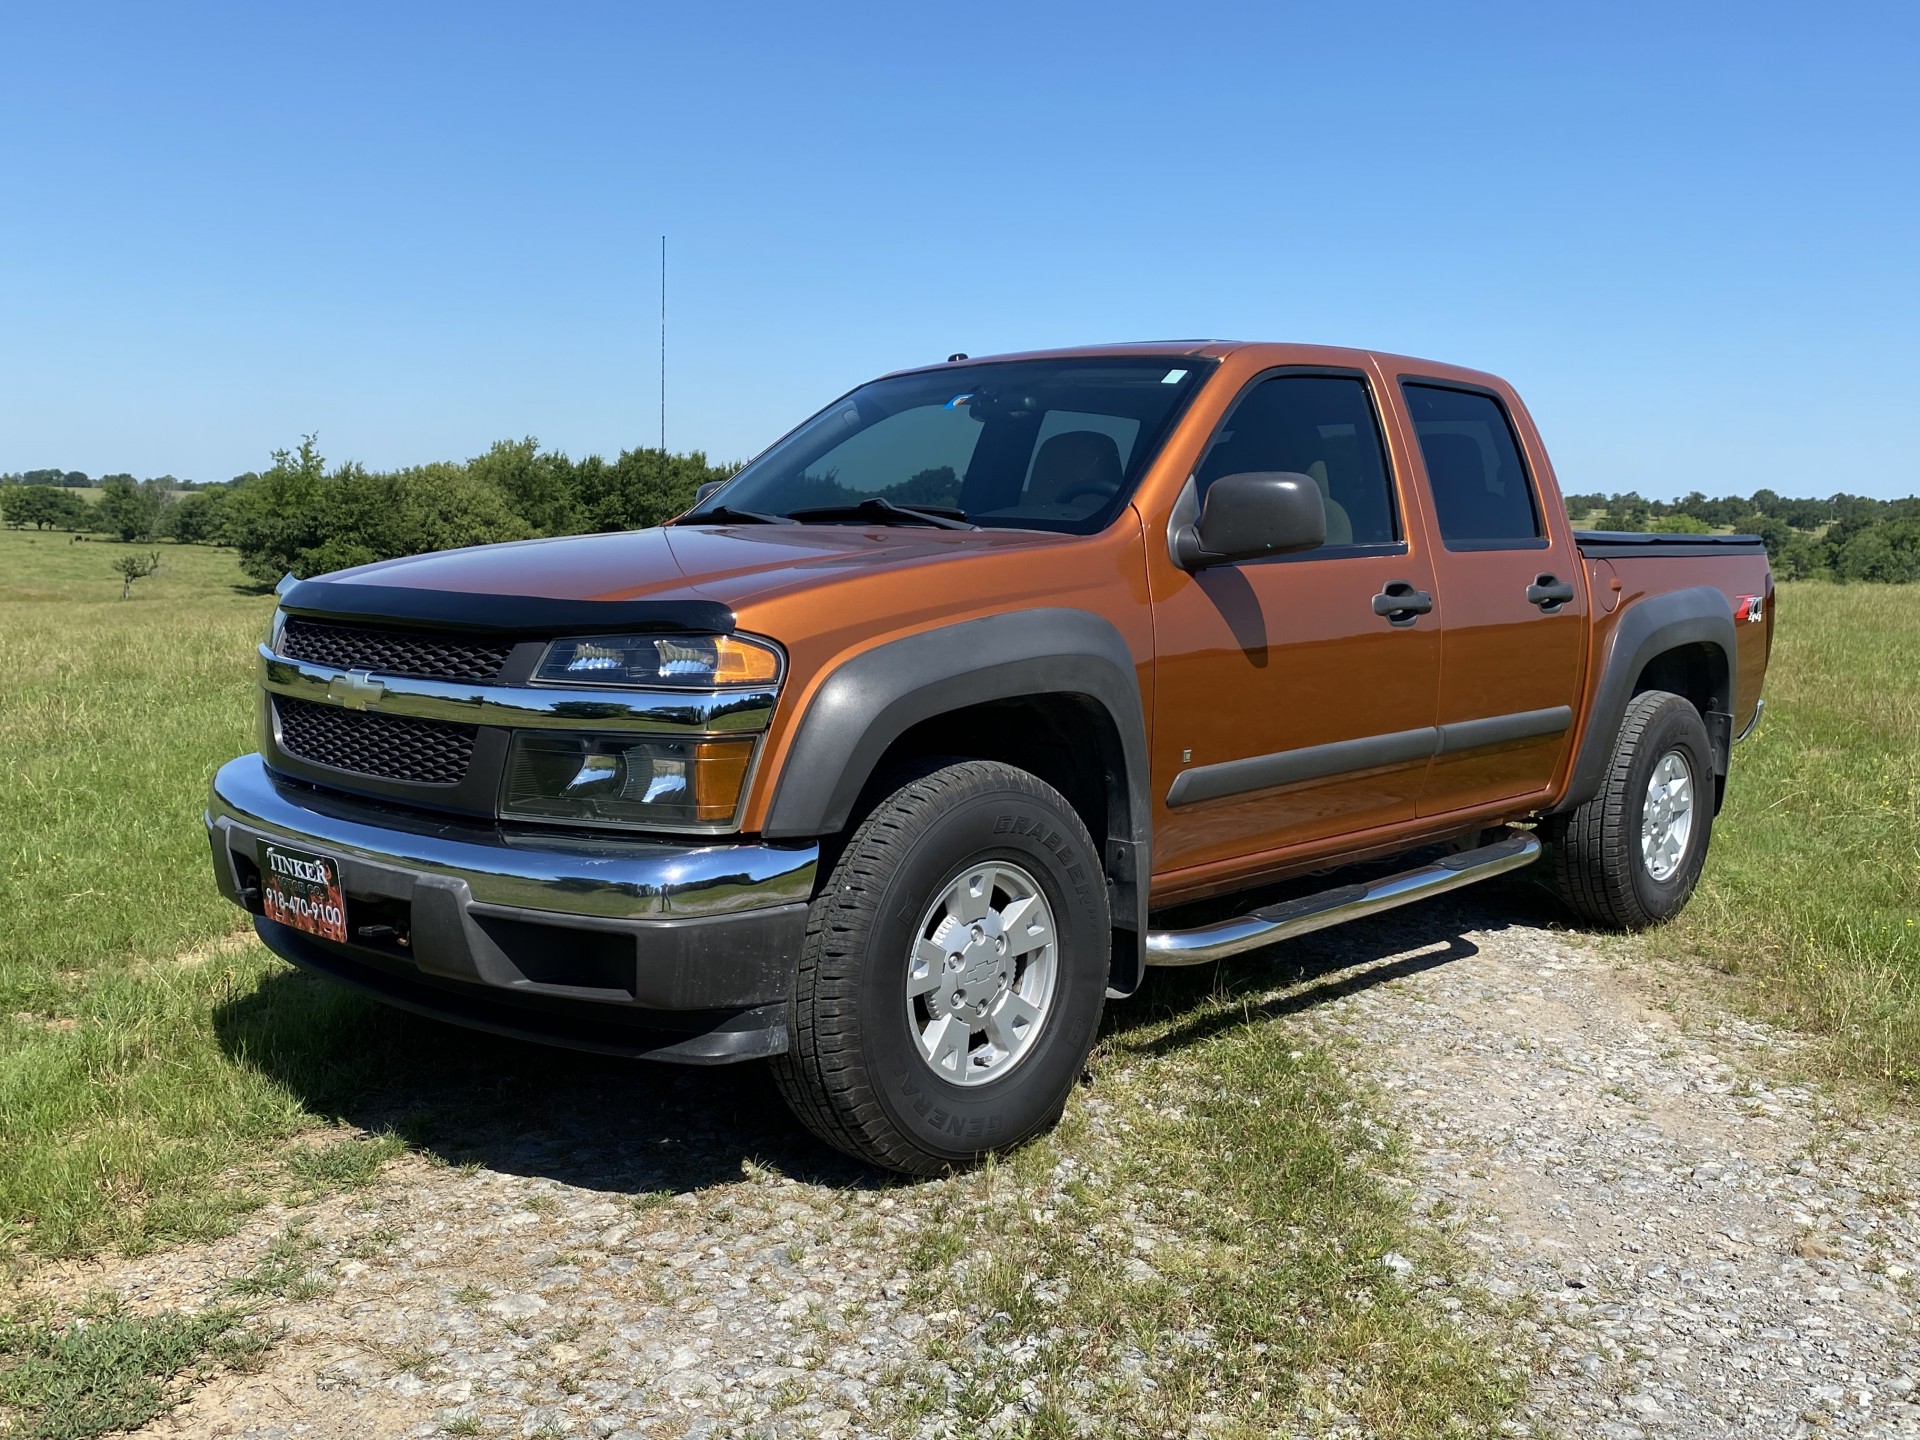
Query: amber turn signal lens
pixel 719 770
pixel 741 662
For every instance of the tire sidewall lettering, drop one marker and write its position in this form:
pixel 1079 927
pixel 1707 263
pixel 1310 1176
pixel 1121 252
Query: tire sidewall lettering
pixel 958 1120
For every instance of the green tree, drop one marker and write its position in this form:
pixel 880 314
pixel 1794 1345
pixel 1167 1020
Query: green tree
pixel 1888 552
pixel 540 488
pixel 135 567
pixel 276 518
pixel 200 518
pixel 299 519
pixel 1679 523
pixel 127 509
pixel 644 487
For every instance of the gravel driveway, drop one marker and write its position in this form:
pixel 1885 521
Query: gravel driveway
pixel 1699 1250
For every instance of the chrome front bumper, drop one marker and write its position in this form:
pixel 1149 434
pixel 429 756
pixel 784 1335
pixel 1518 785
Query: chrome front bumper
pixel 610 879
pixel 579 941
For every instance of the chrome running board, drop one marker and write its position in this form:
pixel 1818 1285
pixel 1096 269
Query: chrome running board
pixel 1205 943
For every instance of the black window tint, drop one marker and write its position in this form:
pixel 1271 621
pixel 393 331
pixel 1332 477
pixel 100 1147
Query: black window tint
pixel 1318 425
pixel 1480 488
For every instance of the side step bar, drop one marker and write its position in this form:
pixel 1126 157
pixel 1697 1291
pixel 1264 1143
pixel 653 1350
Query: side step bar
pixel 1335 907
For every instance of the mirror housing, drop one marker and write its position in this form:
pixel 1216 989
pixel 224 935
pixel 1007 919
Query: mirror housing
pixel 707 487
pixel 1251 515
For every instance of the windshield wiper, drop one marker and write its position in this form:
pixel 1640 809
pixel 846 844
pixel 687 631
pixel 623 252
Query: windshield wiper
pixel 735 515
pixel 879 508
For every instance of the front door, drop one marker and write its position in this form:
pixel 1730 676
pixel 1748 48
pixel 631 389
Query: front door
pixel 1287 707
pixel 1516 608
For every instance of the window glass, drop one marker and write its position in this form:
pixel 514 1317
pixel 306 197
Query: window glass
pixel 1480 489
pixel 915 457
pixel 1317 425
pixel 1042 445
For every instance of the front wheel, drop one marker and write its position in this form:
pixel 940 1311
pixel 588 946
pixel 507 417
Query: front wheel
pixel 1630 857
pixel 953 975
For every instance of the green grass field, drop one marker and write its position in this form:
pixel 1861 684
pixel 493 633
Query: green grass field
pixel 1813 884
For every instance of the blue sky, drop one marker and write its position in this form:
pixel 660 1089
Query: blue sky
pixel 1687 232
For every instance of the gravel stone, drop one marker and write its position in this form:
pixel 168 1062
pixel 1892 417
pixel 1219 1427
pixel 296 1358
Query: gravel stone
pixel 1706 1248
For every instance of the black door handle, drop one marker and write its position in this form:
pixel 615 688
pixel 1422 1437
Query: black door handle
pixel 1401 603
pixel 1549 592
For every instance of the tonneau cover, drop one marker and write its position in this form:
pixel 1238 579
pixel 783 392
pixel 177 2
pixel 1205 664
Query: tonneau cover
pixel 1613 544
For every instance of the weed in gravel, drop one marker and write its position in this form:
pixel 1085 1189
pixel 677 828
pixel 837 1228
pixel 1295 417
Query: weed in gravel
pixel 462 1425
pixel 340 1165
pixel 286 1270
pixel 110 1371
pixel 472 1295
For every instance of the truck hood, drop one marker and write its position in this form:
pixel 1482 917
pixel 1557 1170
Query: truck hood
pixel 732 564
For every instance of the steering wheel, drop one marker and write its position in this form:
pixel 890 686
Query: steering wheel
pixel 1102 488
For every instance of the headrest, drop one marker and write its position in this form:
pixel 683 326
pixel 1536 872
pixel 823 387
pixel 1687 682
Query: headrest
pixel 1084 460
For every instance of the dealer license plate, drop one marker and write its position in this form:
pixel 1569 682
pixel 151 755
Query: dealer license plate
pixel 303 891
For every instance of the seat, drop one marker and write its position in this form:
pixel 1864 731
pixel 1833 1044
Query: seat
pixel 1077 464
pixel 1339 523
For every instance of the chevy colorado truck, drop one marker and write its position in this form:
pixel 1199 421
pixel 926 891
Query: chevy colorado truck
pixel 909 746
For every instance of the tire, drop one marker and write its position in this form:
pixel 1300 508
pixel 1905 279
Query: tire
pixel 1600 862
pixel 858 1071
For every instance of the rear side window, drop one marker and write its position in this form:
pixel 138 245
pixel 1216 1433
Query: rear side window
pixel 1318 425
pixel 1480 489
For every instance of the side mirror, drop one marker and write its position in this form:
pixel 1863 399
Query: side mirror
pixel 707 487
pixel 1244 517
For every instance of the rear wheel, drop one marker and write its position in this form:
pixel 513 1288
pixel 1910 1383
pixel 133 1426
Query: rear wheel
pixel 953 975
pixel 1630 857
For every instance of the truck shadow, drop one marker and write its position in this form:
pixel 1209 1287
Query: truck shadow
pixel 636 1128
pixel 465 1097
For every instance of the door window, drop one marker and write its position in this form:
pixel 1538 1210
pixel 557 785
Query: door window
pixel 1481 493
pixel 1317 425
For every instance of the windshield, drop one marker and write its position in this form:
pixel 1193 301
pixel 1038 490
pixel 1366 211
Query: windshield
pixel 1036 445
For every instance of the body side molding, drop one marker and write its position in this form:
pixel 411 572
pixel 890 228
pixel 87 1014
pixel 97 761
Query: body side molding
pixel 1371 752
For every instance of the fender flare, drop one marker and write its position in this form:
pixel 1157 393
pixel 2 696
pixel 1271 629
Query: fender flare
pixel 870 700
pixel 1647 629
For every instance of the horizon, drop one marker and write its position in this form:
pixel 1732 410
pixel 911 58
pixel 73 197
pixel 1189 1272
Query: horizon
pixel 416 234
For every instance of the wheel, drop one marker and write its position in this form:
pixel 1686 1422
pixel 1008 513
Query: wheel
pixel 1629 857
pixel 953 974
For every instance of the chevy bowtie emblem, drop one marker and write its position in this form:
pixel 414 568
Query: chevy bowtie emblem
pixel 357 690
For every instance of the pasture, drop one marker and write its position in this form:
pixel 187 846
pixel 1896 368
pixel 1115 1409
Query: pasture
pixel 161 1075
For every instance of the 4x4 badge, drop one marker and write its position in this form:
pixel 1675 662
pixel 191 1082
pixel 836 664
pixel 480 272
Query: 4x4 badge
pixel 357 690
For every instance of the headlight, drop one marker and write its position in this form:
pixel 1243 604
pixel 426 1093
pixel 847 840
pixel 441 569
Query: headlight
pixel 610 780
pixel 696 662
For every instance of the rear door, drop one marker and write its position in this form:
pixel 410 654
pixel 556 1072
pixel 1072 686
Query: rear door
pixel 1288 707
pixel 1509 577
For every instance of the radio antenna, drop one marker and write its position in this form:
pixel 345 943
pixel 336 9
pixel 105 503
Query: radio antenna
pixel 663 345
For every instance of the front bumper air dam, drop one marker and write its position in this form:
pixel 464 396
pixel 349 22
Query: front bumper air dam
pixel 669 951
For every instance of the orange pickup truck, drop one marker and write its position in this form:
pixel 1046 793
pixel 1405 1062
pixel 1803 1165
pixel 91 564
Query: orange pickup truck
pixel 912 744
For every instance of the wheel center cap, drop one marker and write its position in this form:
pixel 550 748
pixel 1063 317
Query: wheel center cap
pixel 982 964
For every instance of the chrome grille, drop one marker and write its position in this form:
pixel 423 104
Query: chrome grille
pixel 387 747
pixel 478 658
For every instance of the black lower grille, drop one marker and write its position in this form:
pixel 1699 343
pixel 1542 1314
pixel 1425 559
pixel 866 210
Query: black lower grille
pixel 388 747
pixel 395 652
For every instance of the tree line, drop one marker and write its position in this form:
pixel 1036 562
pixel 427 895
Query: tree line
pixel 303 516
pixel 1843 537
